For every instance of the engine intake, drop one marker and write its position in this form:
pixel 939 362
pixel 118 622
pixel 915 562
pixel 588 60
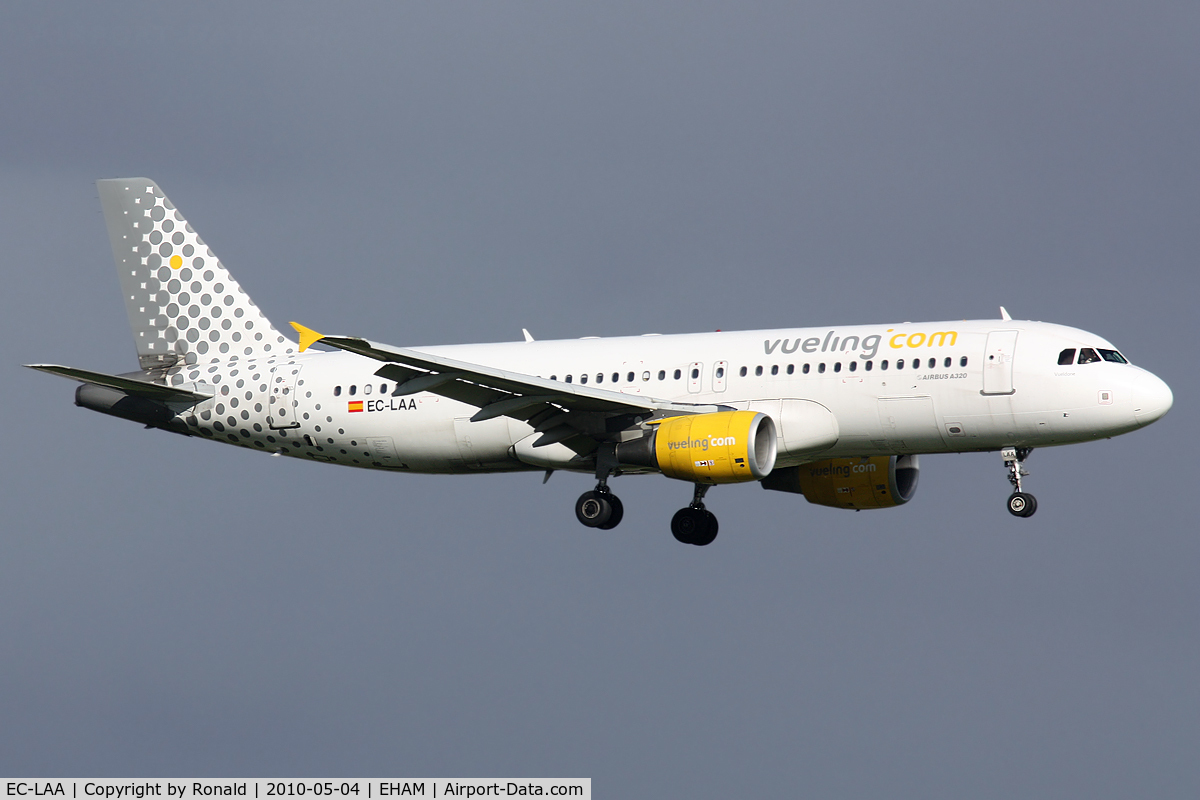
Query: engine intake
pixel 721 447
pixel 875 482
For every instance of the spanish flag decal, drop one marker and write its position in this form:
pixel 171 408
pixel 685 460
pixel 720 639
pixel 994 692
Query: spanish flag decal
pixel 354 405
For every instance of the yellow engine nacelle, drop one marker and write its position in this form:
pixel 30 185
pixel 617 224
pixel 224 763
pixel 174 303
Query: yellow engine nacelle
pixel 875 482
pixel 722 447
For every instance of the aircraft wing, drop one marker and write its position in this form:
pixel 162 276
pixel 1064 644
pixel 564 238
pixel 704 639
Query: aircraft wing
pixel 558 410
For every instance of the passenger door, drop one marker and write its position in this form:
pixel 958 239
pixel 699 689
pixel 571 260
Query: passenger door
pixel 282 402
pixel 998 362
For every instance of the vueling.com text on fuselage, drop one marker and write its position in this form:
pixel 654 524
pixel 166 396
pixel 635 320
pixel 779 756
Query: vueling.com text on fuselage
pixel 866 347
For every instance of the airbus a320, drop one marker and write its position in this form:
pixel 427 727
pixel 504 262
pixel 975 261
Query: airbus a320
pixel 837 414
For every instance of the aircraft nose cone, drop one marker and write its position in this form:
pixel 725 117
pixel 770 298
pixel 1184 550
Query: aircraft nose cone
pixel 1152 399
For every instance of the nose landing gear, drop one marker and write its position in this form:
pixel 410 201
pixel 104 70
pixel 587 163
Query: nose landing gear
pixel 1020 503
pixel 695 524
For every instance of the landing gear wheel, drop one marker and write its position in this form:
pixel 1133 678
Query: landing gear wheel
pixel 709 533
pixel 1022 504
pixel 594 509
pixel 684 524
pixel 695 526
pixel 618 511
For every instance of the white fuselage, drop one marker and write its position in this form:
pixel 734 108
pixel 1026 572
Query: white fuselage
pixel 894 389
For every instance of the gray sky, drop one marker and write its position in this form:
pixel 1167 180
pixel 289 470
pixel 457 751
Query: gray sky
pixel 453 173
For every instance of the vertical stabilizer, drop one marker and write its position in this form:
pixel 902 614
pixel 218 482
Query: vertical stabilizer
pixel 183 305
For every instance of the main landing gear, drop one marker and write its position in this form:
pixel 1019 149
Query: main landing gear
pixel 1020 504
pixel 695 524
pixel 599 508
pixel 602 509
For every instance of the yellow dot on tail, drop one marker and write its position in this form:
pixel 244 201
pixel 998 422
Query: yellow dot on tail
pixel 176 262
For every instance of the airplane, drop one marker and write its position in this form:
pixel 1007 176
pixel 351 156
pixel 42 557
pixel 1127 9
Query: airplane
pixel 837 414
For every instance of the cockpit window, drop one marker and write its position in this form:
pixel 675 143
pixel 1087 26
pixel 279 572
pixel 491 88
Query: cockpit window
pixel 1066 357
pixel 1087 355
pixel 1113 356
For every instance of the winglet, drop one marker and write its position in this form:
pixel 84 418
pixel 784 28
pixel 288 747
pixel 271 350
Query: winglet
pixel 308 337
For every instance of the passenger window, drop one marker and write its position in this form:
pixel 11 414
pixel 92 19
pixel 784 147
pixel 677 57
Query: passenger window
pixel 629 378
pixel 774 369
pixel 821 367
pixel 805 370
pixel 616 377
pixel 791 368
pixel 1066 357
pixel 741 372
pixel 1087 356
pixel 353 390
pixel 662 374
pixel 553 377
pixel 383 388
pixel 337 391
pixel 883 364
pixel 568 379
pixel 599 377
pixel 720 372
pixel 1113 356
pixel 899 363
pixel 853 366
pixel 916 363
pixel 646 375
pixel 695 373
pixel 868 366
pixel 758 370
pixel 367 389
pixel 946 363
pixel 932 363
pixel 962 362
pixel 583 378
pixel 837 367
pixel 679 373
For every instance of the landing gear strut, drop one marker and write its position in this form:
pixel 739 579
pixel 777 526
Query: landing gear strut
pixel 1020 503
pixel 695 524
pixel 600 508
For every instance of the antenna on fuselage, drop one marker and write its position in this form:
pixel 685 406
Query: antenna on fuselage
pixel 1004 313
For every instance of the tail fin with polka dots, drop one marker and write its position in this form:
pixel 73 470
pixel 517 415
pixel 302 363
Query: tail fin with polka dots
pixel 183 305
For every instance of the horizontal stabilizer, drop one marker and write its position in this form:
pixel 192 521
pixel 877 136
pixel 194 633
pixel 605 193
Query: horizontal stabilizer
pixel 130 386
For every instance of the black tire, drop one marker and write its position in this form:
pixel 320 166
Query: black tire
pixel 709 530
pixel 618 512
pixel 1029 512
pixel 685 524
pixel 1021 504
pixel 593 509
pixel 695 526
